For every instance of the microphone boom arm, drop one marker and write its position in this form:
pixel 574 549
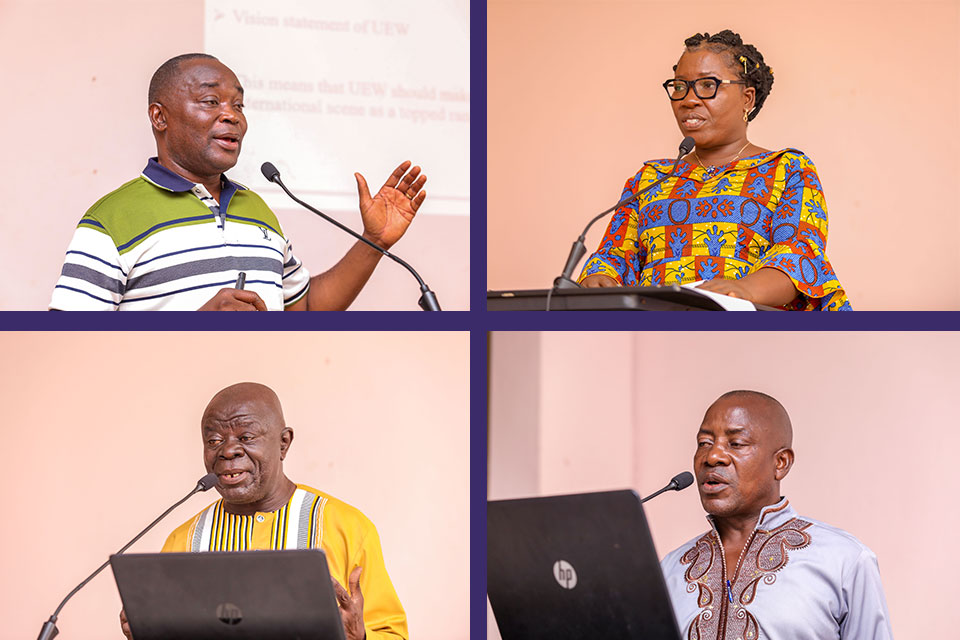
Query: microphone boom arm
pixel 49 629
pixel 679 482
pixel 565 279
pixel 428 299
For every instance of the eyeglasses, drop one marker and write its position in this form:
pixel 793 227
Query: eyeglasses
pixel 704 88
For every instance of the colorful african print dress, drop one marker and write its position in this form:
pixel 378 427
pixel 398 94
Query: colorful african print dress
pixel 766 210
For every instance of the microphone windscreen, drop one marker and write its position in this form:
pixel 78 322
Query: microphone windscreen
pixel 270 172
pixel 685 147
pixel 683 480
pixel 208 481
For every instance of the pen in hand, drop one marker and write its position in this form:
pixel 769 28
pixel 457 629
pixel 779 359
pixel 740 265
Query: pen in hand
pixel 241 280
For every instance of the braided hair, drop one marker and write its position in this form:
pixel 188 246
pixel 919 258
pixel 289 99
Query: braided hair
pixel 744 58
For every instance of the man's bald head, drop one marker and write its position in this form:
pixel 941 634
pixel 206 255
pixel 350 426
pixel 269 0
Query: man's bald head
pixel 259 397
pixel 766 411
pixel 245 442
pixel 743 452
pixel 196 113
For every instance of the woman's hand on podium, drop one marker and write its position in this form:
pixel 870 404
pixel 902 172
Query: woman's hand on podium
pixel 598 280
pixel 767 286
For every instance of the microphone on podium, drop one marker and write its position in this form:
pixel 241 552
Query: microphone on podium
pixel 428 299
pixel 679 482
pixel 565 279
pixel 49 629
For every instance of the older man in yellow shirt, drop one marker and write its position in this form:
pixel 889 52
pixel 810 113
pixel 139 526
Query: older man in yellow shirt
pixel 245 441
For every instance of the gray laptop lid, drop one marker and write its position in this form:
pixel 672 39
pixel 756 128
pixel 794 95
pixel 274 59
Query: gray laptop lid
pixel 280 595
pixel 576 566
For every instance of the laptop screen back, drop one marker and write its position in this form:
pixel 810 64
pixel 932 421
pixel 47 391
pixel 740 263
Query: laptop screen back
pixel 242 595
pixel 576 566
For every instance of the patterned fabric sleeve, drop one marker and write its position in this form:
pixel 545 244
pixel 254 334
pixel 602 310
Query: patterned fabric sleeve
pixel 619 255
pixel 93 277
pixel 799 236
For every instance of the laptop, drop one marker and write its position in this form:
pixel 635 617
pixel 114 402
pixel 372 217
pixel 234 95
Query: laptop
pixel 576 566
pixel 282 595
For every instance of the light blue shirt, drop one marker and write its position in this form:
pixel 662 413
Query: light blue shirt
pixel 797 579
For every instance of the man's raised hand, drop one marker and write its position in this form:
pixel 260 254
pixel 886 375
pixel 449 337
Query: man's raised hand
pixel 387 215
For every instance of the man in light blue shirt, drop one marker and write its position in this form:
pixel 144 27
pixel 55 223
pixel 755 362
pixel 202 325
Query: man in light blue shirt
pixel 762 571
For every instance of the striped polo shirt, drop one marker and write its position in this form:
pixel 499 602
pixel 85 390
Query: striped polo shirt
pixel 161 242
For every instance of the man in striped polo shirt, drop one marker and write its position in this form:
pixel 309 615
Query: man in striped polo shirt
pixel 245 441
pixel 177 237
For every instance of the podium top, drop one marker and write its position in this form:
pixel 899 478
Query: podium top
pixel 669 298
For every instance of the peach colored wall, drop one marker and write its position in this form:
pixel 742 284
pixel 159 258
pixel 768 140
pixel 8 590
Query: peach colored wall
pixel 575 107
pixel 101 434
pixel 874 417
pixel 74 127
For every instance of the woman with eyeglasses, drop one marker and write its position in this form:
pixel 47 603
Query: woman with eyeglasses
pixel 751 223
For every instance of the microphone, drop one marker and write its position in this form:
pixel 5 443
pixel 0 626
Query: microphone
pixel 565 280
pixel 428 299
pixel 49 629
pixel 677 483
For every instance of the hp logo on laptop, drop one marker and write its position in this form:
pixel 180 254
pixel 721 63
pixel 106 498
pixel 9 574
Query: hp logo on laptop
pixel 564 574
pixel 229 613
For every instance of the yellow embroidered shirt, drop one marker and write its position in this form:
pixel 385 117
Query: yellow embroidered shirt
pixel 310 519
